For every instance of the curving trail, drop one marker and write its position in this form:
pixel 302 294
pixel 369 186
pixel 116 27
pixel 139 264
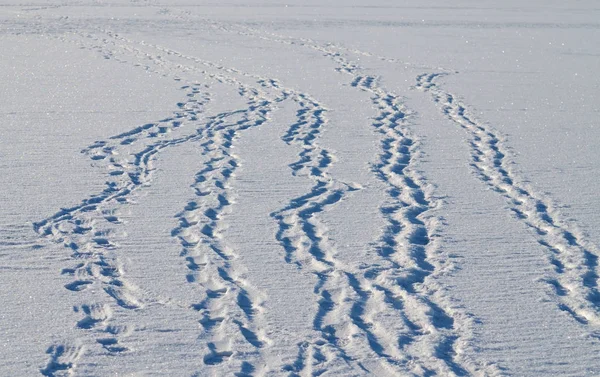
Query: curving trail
pixel 230 309
pixel 574 259
pixel 285 215
pixel 89 229
pixel 430 323
pixel 393 310
pixel 305 242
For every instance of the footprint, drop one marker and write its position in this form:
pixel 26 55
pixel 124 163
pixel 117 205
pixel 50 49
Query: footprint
pixel 250 336
pixel 112 345
pixel 62 361
pixel 78 285
pixel 123 295
pixel 94 314
pixel 208 323
pixel 215 356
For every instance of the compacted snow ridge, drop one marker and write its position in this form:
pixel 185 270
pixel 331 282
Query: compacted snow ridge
pixel 262 189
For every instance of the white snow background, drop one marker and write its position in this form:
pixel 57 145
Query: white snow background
pixel 299 188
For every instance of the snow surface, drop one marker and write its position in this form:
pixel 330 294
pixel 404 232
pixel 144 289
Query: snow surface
pixel 299 188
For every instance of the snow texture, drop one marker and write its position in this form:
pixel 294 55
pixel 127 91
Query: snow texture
pixel 308 188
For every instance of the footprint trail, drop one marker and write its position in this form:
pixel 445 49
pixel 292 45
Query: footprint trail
pixel 573 258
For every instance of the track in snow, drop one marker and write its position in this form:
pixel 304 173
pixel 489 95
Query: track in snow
pixel 128 158
pixel 384 314
pixel 403 288
pixel 230 307
pixel 575 281
pixel 393 311
pixel 306 244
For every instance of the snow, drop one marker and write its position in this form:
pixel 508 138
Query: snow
pixel 299 189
